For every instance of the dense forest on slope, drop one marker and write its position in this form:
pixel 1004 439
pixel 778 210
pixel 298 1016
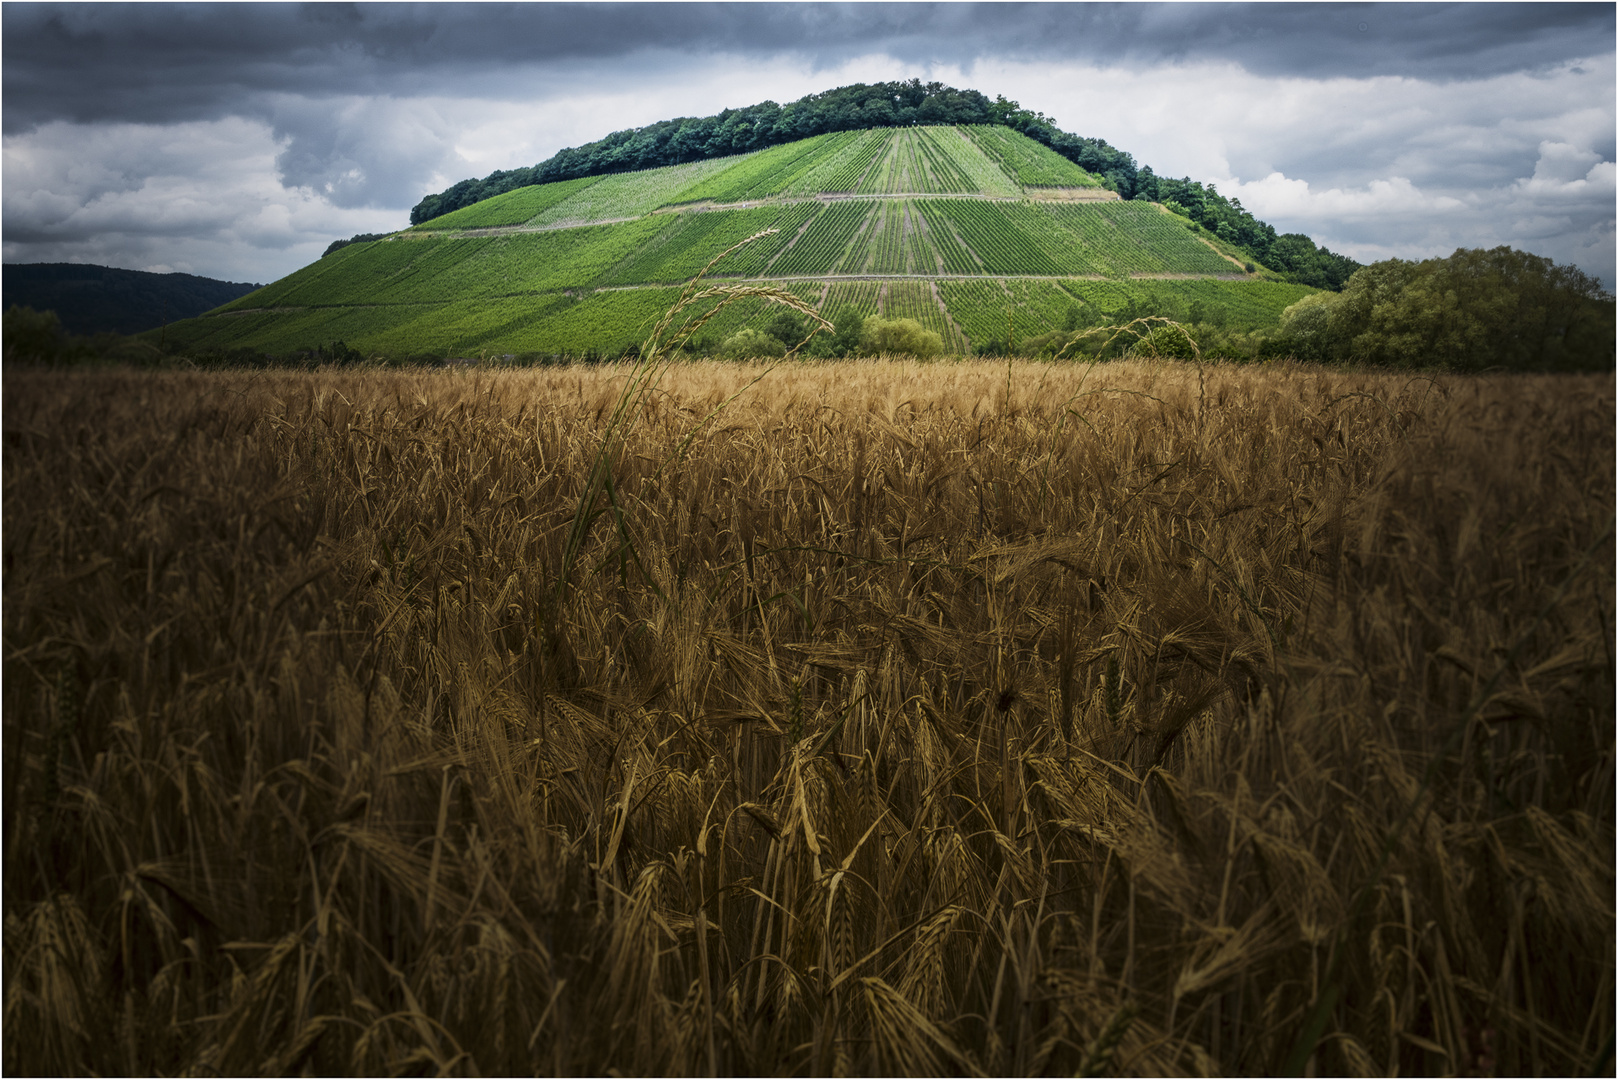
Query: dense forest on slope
pixel 104 299
pixel 901 104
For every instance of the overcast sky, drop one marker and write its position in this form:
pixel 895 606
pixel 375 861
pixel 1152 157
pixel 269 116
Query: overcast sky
pixel 236 141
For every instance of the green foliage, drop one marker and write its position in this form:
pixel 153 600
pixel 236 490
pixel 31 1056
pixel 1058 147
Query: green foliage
pixel 850 326
pixel 37 338
pixel 749 343
pixel 34 337
pixel 788 326
pixel 1172 342
pixel 1305 324
pixel 1477 309
pixel 899 336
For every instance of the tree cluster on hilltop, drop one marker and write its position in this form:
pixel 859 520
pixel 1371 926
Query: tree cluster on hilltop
pixel 901 104
pixel 357 238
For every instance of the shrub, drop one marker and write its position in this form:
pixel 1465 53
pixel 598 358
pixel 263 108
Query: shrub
pixel 1169 341
pixel 904 337
pixel 745 344
pixel 1306 325
pixel 34 336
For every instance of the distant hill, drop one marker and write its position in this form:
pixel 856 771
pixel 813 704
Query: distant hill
pixel 901 104
pixel 977 232
pixel 95 299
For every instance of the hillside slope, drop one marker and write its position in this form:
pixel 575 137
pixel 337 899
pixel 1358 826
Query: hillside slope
pixel 96 299
pixel 959 227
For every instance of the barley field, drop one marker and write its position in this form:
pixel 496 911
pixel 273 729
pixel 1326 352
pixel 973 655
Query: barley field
pixel 857 718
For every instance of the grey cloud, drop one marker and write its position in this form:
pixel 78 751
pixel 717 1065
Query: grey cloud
pixel 361 151
pixel 159 63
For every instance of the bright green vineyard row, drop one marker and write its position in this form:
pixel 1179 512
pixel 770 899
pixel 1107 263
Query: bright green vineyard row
pixel 998 242
pixel 977 171
pixel 513 208
pixel 1031 164
pixel 1134 237
pixel 688 241
pixel 824 242
pixel 632 194
pixel 935 161
pixel 275 293
pixel 982 308
pixel 841 170
pixel 858 296
pixel 767 172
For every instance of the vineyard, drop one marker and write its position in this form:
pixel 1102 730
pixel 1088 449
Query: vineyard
pixel 631 194
pixel 1136 237
pixel 916 300
pixel 1029 163
pixel 824 242
pixel 936 216
pixel 861 297
pixel 840 167
pixel 689 241
pixel 768 172
pixel 1001 244
pixel 513 208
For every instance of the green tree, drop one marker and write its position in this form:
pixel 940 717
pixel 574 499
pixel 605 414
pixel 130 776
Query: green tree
pixel 749 344
pixel 34 336
pixel 1476 309
pixel 788 327
pixel 900 336
pixel 849 328
pixel 1305 325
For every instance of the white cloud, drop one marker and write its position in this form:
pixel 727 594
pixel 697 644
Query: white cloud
pixel 1371 167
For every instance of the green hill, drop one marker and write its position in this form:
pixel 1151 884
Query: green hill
pixel 967 228
pixel 104 299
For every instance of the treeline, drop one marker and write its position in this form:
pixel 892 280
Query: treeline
pixel 34 338
pixel 90 299
pixel 901 104
pixel 1292 254
pixel 357 238
pixel 1474 311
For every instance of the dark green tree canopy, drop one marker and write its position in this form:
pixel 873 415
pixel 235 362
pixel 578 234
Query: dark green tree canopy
pixel 1477 309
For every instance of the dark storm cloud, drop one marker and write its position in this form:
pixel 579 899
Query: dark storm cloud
pixel 160 63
